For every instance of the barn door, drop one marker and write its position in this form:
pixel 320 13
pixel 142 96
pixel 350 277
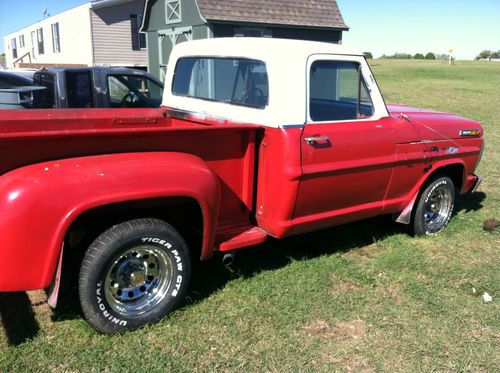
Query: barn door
pixel 167 40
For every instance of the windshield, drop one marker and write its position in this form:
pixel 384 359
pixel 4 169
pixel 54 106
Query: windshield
pixel 233 80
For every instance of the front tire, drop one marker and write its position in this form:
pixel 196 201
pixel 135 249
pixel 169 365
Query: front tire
pixel 133 274
pixel 434 206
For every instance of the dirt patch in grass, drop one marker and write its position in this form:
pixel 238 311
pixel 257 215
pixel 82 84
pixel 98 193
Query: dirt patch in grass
pixel 366 252
pixel 491 224
pixel 343 330
pixel 340 286
pixel 349 364
pixel 393 294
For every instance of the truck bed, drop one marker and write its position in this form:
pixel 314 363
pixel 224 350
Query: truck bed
pixel 34 136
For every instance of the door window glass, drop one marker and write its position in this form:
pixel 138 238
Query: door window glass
pixel 337 91
pixel 134 91
pixel 80 92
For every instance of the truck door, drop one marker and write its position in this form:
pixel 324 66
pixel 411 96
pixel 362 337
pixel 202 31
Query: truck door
pixel 347 144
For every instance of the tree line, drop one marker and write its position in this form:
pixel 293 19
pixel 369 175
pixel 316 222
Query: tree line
pixel 488 55
pixel 484 55
pixel 408 56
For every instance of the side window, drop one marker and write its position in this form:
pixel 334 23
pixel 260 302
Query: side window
pixel 138 38
pixel 56 40
pixel 134 91
pixel 39 36
pixel 79 86
pixel 44 99
pixel 14 48
pixel 337 91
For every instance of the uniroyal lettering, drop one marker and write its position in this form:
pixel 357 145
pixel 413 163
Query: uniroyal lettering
pixel 103 309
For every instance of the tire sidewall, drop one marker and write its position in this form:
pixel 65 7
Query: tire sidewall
pixel 419 219
pixel 104 318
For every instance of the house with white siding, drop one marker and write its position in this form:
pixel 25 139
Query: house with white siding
pixel 97 33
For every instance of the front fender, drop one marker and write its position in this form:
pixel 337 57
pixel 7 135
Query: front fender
pixel 39 202
pixel 405 215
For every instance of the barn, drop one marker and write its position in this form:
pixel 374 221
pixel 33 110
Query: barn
pixel 169 22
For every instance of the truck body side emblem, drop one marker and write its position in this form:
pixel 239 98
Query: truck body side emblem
pixel 451 150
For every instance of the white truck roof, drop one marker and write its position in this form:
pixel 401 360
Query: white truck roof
pixel 287 69
pixel 264 49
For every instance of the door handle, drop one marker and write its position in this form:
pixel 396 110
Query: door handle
pixel 313 140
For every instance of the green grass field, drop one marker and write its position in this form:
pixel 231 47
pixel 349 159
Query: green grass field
pixel 360 297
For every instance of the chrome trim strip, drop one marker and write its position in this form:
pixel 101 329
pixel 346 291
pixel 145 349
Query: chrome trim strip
pixel 286 126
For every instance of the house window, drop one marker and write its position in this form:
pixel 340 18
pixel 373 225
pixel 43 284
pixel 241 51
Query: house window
pixel 138 38
pixel 173 11
pixel 337 91
pixel 39 38
pixel 253 32
pixel 33 44
pixel 56 43
pixel 21 41
pixel 14 47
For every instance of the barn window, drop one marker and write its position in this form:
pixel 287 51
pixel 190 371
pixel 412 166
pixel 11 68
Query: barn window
pixel 173 11
pixel 253 32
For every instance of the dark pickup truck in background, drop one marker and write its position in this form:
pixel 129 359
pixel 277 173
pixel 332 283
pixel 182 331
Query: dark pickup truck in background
pixel 97 87
pixel 89 87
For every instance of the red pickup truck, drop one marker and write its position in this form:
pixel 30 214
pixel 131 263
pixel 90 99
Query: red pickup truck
pixel 256 138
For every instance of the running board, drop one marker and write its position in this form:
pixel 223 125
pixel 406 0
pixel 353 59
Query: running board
pixel 241 237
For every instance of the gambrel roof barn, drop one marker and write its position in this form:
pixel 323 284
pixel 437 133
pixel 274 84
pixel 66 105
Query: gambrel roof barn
pixel 168 22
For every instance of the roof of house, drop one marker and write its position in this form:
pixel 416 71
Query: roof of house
pixel 312 13
pixel 97 4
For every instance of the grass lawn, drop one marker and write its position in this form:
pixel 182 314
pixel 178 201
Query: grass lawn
pixel 360 297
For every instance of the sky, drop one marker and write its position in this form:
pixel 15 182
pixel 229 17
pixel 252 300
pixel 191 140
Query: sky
pixel 377 26
pixel 421 26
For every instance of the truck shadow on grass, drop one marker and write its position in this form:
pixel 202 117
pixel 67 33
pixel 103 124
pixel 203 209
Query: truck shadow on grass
pixel 274 254
pixel 18 317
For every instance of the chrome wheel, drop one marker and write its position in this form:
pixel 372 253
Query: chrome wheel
pixel 138 280
pixel 438 207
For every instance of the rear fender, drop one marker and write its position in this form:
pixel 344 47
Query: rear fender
pixel 39 202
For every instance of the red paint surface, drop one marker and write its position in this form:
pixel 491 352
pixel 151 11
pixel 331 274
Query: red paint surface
pixel 57 164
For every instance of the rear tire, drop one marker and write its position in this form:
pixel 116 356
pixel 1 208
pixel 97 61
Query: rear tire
pixel 133 274
pixel 434 206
